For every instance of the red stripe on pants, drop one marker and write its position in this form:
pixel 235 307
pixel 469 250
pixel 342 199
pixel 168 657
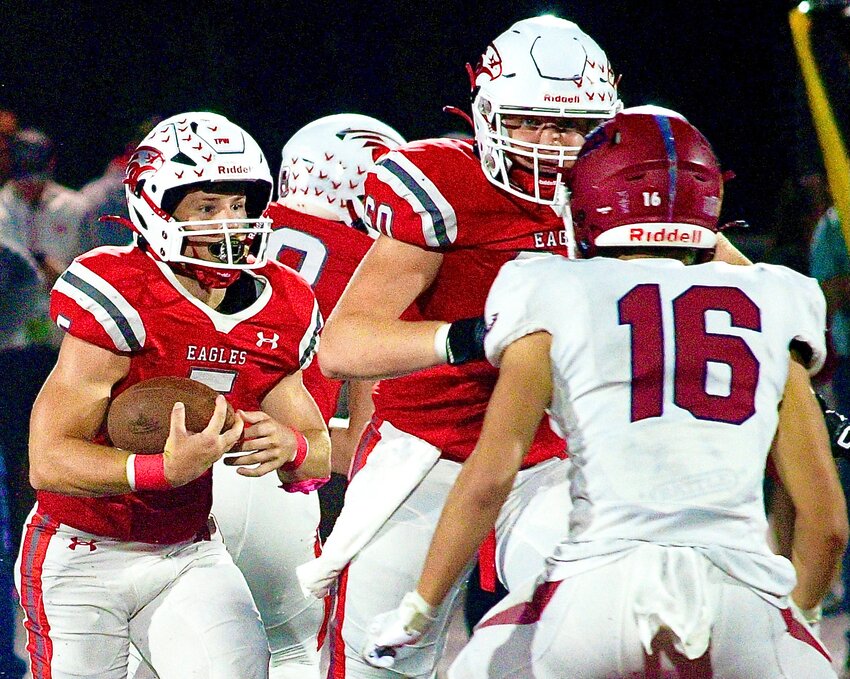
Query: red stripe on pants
pixel 367 444
pixel 39 645
pixel 336 667
pixel 336 644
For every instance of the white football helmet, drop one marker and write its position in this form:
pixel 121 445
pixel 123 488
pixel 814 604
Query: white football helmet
pixel 324 165
pixel 185 152
pixel 540 67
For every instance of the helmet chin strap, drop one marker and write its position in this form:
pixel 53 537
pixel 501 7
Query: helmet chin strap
pixel 207 277
pixel 523 179
pixel 561 207
pixel 210 278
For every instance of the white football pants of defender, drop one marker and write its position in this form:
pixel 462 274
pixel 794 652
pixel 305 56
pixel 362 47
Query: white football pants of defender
pixel 186 607
pixel 599 622
pixel 269 532
pixel 532 522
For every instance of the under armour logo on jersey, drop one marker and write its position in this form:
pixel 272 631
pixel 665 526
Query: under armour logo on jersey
pixel 76 542
pixel 262 339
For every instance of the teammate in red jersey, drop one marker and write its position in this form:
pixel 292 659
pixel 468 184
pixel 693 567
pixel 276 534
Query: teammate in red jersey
pixel 318 230
pixel 451 213
pixel 411 313
pixel 323 168
pixel 118 549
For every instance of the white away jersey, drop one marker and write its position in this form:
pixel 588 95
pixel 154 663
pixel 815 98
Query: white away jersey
pixel 666 382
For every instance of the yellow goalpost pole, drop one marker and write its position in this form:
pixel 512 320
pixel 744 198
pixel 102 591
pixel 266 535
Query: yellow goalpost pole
pixel 829 136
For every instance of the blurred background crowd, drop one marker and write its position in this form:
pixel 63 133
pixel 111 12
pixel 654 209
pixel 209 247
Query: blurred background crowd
pixel 81 84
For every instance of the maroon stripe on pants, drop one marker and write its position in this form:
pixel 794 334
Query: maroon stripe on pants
pixel 798 630
pixel 528 611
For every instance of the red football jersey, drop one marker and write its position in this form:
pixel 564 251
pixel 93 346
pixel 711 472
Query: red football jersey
pixel 325 253
pixel 433 194
pixel 124 301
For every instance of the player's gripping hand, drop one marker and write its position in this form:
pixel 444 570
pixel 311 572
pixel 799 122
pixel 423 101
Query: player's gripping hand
pixel 267 445
pixel 187 455
pixel 404 626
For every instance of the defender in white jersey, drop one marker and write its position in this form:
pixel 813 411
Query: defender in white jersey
pixel 669 382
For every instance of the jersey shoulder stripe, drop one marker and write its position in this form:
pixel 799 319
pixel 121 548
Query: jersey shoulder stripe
pixel 409 182
pixel 309 343
pixel 107 305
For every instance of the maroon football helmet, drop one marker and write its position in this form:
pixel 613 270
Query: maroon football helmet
pixel 646 178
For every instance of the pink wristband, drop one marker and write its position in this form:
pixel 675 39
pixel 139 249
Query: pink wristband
pixel 305 486
pixel 147 472
pixel 300 453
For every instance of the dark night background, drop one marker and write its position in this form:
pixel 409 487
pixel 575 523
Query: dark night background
pixel 87 73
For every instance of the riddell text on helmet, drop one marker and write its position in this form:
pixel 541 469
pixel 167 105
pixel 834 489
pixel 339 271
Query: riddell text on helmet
pixel 234 169
pixel 639 235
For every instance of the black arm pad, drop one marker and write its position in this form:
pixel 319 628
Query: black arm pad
pixel 465 341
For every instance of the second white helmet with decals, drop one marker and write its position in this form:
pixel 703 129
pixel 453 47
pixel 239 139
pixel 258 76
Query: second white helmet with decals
pixel 324 164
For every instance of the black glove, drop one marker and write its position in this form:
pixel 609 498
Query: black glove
pixel 838 427
pixel 465 341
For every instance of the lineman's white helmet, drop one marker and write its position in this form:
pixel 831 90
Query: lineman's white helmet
pixel 544 66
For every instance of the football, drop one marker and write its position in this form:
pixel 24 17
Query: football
pixel 139 418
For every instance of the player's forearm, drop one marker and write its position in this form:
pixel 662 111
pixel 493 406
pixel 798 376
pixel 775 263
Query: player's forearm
pixel 316 464
pixel 66 416
pixel 359 347
pixel 468 516
pixel 343 445
pixel 816 552
pixel 804 461
pixel 515 408
pixel 76 467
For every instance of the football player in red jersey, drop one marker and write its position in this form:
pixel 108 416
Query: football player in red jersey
pixel 318 230
pixel 322 173
pixel 118 548
pixel 450 214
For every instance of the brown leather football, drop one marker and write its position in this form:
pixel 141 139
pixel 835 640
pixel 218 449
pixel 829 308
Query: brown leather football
pixel 139 418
